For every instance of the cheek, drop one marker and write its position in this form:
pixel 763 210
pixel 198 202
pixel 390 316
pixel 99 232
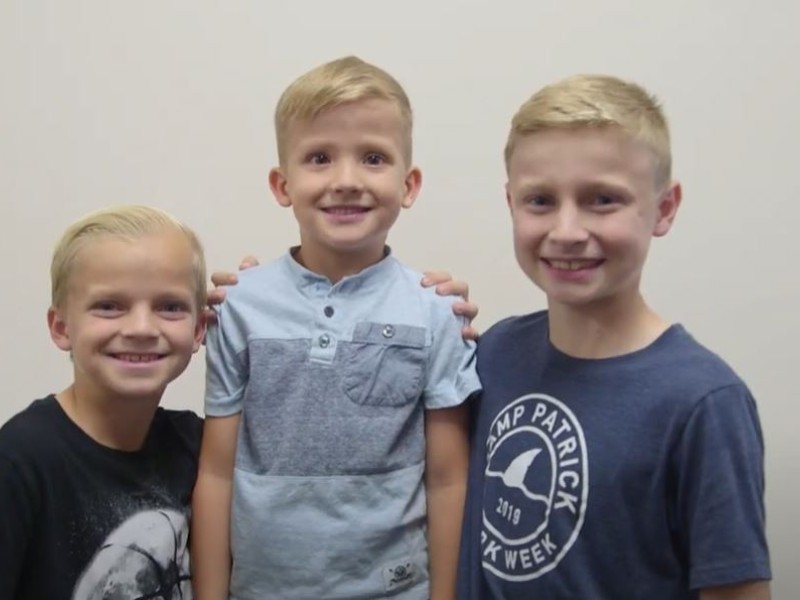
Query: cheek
pixel 301 188
pixel 93 332
pixel 180 333
pixel 526 248
pixel 388 185
pixel 624 235
pixel 527 231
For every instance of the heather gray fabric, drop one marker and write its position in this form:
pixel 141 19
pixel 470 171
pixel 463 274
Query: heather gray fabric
pixel 332 382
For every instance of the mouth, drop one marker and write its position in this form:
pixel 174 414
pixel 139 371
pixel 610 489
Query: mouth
pixel 345 210
pixel 137 358
pixel 573 264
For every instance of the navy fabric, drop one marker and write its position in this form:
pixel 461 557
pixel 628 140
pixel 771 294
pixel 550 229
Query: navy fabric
pixel 638 476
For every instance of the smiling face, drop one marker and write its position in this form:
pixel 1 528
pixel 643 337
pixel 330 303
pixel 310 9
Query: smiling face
pixel 584 207
pixel 130 317
pixel 346 177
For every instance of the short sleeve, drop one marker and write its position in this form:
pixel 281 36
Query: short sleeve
pixel 18 508
pixel 226 364
pixel 451 373
pixel 720 486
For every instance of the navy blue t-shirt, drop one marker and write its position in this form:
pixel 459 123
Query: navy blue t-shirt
pixel 639 476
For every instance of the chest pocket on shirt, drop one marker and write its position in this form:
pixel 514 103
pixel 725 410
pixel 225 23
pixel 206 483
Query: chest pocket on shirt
pixel 384 365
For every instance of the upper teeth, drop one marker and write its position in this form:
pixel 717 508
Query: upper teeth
pixel 570 265
pixel 345 209
pixel 137 357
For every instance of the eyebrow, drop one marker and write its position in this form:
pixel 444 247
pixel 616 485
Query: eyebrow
pixel 531 185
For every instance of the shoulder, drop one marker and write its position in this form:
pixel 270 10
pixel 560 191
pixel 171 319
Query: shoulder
pixel 251 301
pixel 32 430
pixel 34 446
pixel 513 329
pixel 186 421
pixel 676 376
pixel 407 283
pixel 183 427
pixel 257 279
pixel 686 361
pixel 403 275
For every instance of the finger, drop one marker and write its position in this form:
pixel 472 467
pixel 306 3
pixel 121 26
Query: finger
pixel 248 262
pixel 435 277
pixel 210 316
pixel 469 310
pixel 454 287
pixel 468 332
pixel 215 296
pixel 224 278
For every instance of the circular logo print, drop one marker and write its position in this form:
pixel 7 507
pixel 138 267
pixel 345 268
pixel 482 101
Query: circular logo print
pixel 535 488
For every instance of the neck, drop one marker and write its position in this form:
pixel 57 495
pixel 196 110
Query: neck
pixel 337 266
pixel 121 424
pixel 604 330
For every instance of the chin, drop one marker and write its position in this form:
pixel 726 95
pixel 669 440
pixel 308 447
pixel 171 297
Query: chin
pixel 576 300
pixel 135 393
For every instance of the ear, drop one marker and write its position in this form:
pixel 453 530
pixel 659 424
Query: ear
pixel 200 328
pixel 668 205
pixel 508 198
pixel 278 185
pixel 58 328
pixel 413 184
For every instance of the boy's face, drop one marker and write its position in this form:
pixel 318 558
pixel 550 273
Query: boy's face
pixel 346 178
pixel 130 317
pixel 584 207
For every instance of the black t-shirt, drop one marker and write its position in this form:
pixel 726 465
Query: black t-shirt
pixel 82 521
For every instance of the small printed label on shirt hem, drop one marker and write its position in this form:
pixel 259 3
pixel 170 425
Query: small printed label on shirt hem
pixel 399 575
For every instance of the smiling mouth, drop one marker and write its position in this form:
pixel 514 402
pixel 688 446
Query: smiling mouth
pixel 572 265
pixel 137 358
pixel 346 210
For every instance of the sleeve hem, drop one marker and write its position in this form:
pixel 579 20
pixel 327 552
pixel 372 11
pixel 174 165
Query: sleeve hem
pixel 730 574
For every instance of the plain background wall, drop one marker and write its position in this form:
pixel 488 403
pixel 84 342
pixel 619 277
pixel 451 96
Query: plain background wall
pixel 170 103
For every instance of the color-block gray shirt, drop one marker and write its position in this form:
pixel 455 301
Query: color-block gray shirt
pixel 332 382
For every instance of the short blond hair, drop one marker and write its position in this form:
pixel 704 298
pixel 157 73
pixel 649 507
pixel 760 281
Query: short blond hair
pixel 599 101
pixel 347 79
pixel 127 222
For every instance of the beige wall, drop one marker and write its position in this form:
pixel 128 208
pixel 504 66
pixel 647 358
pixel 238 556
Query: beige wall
pixel 170 103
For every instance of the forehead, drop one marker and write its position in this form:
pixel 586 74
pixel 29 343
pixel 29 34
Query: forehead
pixel 372 117
pixel 146 263
pixel 573 156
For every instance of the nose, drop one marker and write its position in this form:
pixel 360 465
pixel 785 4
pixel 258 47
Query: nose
pixel 569 227
pixel 347 177
pixel 140 322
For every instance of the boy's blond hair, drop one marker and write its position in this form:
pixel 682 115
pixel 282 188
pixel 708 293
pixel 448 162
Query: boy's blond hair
pixel 343 80
pixel 127 222
pixel 597 101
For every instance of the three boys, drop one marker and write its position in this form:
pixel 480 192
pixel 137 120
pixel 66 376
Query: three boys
pixel 613 456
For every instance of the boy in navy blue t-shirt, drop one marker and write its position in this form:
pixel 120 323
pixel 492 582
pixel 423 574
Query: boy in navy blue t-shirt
pixel 613 456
